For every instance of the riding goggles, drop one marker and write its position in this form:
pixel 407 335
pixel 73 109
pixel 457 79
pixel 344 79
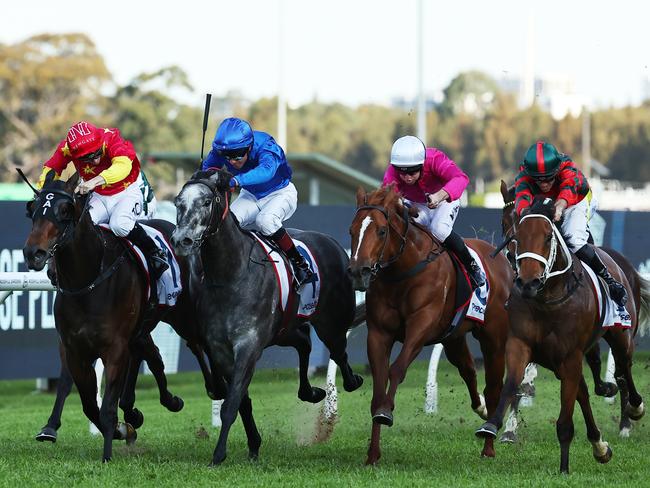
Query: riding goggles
pixel 90 157
pixel 545 179
pixel 409 170
pixel 234 154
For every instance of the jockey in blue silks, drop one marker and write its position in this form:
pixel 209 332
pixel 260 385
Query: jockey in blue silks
pixel 267 196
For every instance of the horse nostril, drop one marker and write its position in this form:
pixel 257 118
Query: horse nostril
pixel 187 241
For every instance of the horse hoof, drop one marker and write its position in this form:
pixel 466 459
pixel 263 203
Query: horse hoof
pixel 355 384
pixel 134 417
pixel 216 461
pixel 383 418
pixel 605 458
pixel 487 431
pixel 635 413
pixel 606 389
pixel 176 405
pixel 488 453
pixel 372 460
pixel 315 395
pixel 131 435
pixel 624 432
pixel 46 434
pixel 508 437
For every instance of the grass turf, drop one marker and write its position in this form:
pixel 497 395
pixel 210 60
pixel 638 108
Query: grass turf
pixel 419 450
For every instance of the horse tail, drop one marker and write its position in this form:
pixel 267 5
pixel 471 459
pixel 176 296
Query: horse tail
pixel 644 307
pixel 359 314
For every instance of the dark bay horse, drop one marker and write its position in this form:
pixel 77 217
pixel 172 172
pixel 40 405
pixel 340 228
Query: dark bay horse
pixel 640 292
pixel 410 281
pixel 100 310
pixel 238 305
pixel 551 286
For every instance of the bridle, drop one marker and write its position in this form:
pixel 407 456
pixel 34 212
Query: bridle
pixel 549 262
pixel 380 264
pixel 212 221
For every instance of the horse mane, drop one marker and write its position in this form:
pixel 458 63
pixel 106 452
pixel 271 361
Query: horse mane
pixel 543 206
pixel 219 178
pixel 390 198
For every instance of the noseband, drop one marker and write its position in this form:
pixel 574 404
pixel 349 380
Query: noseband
pixel 552 255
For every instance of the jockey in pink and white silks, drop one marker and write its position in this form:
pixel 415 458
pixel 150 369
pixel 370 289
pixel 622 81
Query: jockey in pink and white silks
pixel 431 182
pixel 267 197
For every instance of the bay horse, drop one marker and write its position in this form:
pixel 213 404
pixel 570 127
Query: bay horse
pixel 410 279
pixel 101 310
pixel 551 286
pixel 239 300
pixel 640 291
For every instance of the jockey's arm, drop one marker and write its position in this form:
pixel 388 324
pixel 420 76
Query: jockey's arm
pixel 56 163
pixel 118 170
pixel 263 172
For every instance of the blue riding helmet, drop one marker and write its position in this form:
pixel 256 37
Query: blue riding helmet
pixel 233 133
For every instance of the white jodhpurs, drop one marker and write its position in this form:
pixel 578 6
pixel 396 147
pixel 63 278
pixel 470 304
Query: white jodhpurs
pixel 575 224
pixel 119 211
pixel 439 220
pixel 266 214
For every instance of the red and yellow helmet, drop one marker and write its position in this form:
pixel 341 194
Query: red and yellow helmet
pixel 84 138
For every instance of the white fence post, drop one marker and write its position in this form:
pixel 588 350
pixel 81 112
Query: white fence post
pixel 431 399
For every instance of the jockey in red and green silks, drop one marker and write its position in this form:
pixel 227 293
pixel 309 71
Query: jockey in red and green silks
pixel 546 172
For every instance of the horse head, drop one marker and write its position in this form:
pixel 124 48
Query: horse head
pixel 377 240
pixel 508 215
pixel 54 212
pixel 201 206
pixel 537 240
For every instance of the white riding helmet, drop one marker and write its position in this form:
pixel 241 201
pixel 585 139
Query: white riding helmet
pixel 407 151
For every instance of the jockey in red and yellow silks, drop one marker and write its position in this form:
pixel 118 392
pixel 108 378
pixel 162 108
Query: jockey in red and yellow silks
pixel 108 165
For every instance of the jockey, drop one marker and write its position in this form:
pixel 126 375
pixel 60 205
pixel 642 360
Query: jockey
pixel 267 196
pixel 432 183
pixel 107 164
pixel 548 173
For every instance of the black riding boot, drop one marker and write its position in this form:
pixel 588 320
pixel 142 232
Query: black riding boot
pixel 456 244
pixel 303 274
pixel 156 258
pixel 589 255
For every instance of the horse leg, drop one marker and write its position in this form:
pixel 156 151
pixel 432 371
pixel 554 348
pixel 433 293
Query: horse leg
pixel 601 450
pixel 299 338
pixel 132 415
pixel 494 363
pixel 85 379
pixel 205 370
pixel 242 369
pixel 63 387
pixel 336 342
pixel 622 348
pixel 252 434
pixel 115 376
pixel 151 354
pixel 379 345
pixel 518 355
pixel 570 375
pixel 601 388
pixel 458 355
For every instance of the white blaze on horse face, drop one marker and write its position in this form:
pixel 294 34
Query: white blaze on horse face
pixel 364 225
pixel 192 219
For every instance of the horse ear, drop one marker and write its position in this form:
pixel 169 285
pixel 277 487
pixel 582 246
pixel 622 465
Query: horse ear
pixel 71 183
pixel 361 196
pixel 505 193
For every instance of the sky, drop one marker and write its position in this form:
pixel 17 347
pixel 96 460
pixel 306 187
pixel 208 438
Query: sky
pixel 351 51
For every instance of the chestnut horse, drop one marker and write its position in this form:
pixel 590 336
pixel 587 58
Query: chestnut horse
pixel 640 292
pixel 551 285
pixel 410 281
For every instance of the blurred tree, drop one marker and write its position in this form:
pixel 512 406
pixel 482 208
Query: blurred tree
pixel 471 92
pixel 47 82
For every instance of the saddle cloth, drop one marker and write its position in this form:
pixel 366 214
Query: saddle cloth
pixel 169 285
pixel 469 306
pixel 610 314
pixel 309 292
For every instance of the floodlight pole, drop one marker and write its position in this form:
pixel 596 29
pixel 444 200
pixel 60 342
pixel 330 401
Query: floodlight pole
pixel 422 110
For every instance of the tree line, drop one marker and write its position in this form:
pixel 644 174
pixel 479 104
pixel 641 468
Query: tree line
pixel 51 80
